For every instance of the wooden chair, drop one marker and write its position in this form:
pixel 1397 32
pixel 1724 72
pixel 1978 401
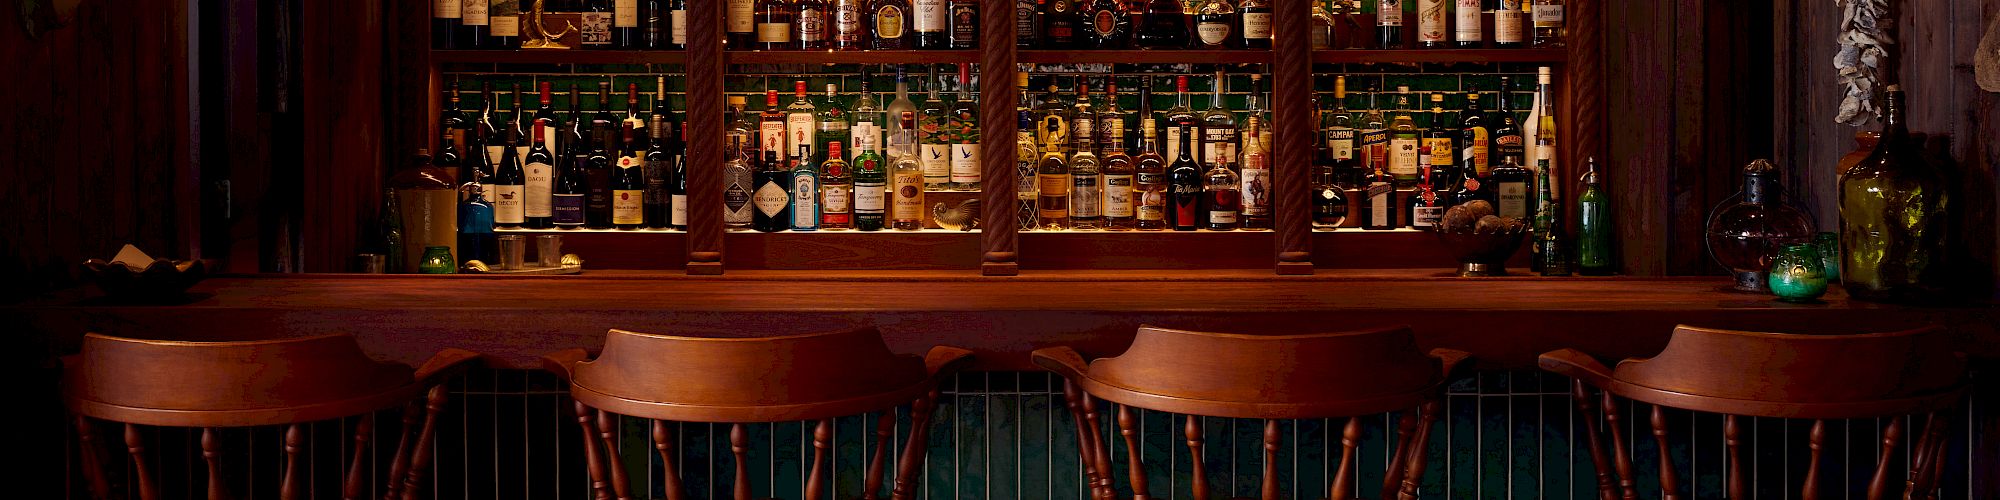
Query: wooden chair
pixel 214 385
pixel 1271 377
pixel 1776 375
pixel 812 377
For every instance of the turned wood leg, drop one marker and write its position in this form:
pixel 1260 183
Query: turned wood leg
pixel 1399 460
pixel 355 488
pixel 1670 482
pixel 663 442
pixel 822 437
pixel 1879 486
pixel 1270 482
pixel 593 460
pixel 211 453
pixel 400 464
pixel 913 454
pixel 1192 431
pixel 739 445
pixel 295 442
pixel 1136 468
pixel 1739 487
pixel 420 460
pixel 607 430
pixel 1586 407
pixel 1627 489
pixel 1419 445
pixel 1073 399
pixel 92 457
pixel 1343 479
pixel 135 445
pixel 885 430
pixel 1924 463
pixel 1816 441
pixel 1100 452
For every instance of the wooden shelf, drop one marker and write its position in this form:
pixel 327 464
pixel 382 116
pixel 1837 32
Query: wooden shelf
pixel 1552 56
pixel 853 57
pixel 571 56
pixel 1168 56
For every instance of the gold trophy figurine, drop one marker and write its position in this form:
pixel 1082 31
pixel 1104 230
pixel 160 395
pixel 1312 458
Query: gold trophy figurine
pixel 542 39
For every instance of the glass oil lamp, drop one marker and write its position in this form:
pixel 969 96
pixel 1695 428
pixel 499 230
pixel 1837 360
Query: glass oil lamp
pixel 1746 231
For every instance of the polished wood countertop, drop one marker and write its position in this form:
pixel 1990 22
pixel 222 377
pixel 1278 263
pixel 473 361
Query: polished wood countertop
pixel 1504 322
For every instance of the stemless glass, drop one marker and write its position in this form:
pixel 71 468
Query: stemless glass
pixel 1796 274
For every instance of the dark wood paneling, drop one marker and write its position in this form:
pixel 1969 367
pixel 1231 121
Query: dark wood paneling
pixel 704 120
pixel 1291 156
pixel 1147 250
pixel 343 106
pixel 1638 88
pixel 933 249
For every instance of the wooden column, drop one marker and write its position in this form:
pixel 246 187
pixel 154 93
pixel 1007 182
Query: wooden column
pixel 1583 121
pixel 704 131
pixel 1292 149
pixel 999 231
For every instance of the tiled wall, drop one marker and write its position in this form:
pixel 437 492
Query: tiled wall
pixel 1006 435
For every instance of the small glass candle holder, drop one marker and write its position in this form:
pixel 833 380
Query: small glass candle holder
pixel 548 250
pixel 1796 274
pixel 1829 254
pixel 437 260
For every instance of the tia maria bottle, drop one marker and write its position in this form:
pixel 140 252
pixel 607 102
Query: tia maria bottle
pixel 1184 180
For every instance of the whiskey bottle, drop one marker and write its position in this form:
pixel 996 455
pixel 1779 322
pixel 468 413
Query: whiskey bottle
pixel 1163 26
pixel 1467 24
pixel 805 190
pixel 1027 160
pixel 1440 142
pixel 836 191
pixel 1256 17
pixel 907 180
pixel 1118 182
pixel 1329 196
pixel 1548 16
pixel 1321 33
pixel 1052 176
pixel 812 28
pixel 1109 24
pixel 628 185
pixel 849 23
pixel 1150 181
pixel 1256 189
pixel 1431 24
pixel 871 186
pixel 773 201
pixel 1184 179
pixel 774 24
pixel 1509 31
pixel 1378 205
pixel 1027 28
pixel 932 20
pixel 1111 124
pixel 740 24
pixel 1222 198
pixel 1218 128
pixel 889 23
pixel 1060 25
pixel 964 24
pixel 1215 25
pixel 1405 155
pixel 1086 195
pixel 1389 24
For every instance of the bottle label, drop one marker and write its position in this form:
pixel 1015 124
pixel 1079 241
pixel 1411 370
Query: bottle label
pixel 866 136
pixel 965 163
pixel 1084 200
pixel 1426 216
pixel 625 13
pixel 540 183
pixel 1379 194
pixel 1475 153
pixel 568 209
pixel 909 202
pixel 735 200
pixel 964 25
pixel 1173 143
pixel 835 203
pixel 678 32
pixel 1082 131
pixel 742 17
pixel 1548 16
pixel 1513 199
pixel 805 201
pixel 505 24
pixel 771 136
pixel 1545 156
pixel 931 16
pixel 1341 141
pixel 812 25
pixel 473 12
pixel 493 154
pixel 889 22
pixel 800 129
pixel 1118 196
pixel 935 160
pixel 1430 21
pixel 1212 33
pixel 1024 20
pixel 1111 132
pixel 1389 13
pixel 507 207
pixel 1468 22
pixel 627 206
pixel 1441 152
pixel 1104 23
pixel 446 9
pixel 1221 217
pixel 774 32
pixel 848 22
pixel 1403 157
pixel 656 181
pixel 1053 184
pixel 1152 197
pixel 1374 148
pixel 595 28
pixel 869 197
pixel 1256 189
pixel 771 199
pixel 1507 22
pixel 1219 146
pixel 1257 25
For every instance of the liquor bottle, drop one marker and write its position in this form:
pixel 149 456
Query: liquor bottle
pixel 476 240
pixel 546 115
pixel 1051 104
pixel 594 28
pixel 1215 24
pixel 1150 181
pixel 1549 241
pixel 1118 182
pixel 1108 23
pixel 1389 24
pixel 508 197
pixel 774 24
pixel 740 24
pixel 805 190
pixel 1256 19
pixel 1218 129
pixel 1508 143
pixel 1341 137
pixel 503 18
pixel 390 242
pixel 1473 138
pixel 1253 112
pixel 628 185
pixel 1467 24
pixel 1027 160
pixel 1027 28
pixel 477 165
pixel 836 187
pixel 1378 200
pixel 1110 127
pixel 866 132
pixel 1508 29
pixel 933 138
pixel 1892 216
pixel 446 17
pixel 1184 179
pixel 1222 198
pixel 1431 24
pixel 1593 226
pixel 1470 187
pixel 1179 118
pixel 456 126
pixel 474 26
pixel 1062 26
pixel 932 20
pixel 1256 190
pixel 889 23
pixel 1329 197
pixel 773 201
pixel 964 25
pixel 771 125
pixel 1374 138
pixel 539 183
pixel 810 29
pixel 1548 16
pixel 1349 12
pixel 1404 144
pixel 901 105
pixel 1086 192
pixel 964 125
pixel 738 198
pixel 1052 175
pixel 661 208
pixel 597 176
pixel 427 201
pixel 625 32
pixel 1162 27
pixel 677 196
pixel 833 125
pixel 1545 130
pixel 1440 145
pixel 871 184
pixel 1511 183
pixel 675 20
pixel 801 123
pixel 1082 121
pixel 850 25
pixel 1321 33
pixel 907 180
pixel 1427 203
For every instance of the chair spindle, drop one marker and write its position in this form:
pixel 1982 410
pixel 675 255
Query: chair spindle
pixel 295 440
pixel 400 464
pixel 614 463
pixel 1192 431
pixel 1073 400
pixel 1878 486
pixel 420 460
pixel 913 454
pixel 1136 468
pixel 91 454
pixel 1399 461
pixel 1738 487
pixel 1270 481
pixel 885 430
pixel 1626 487
pixel 1586 405
pixel 1101 451
pixel 1343 479
pixel 1670 482
pixel 663 443
pixel 357 472
pixel 822 437
pixel 211 453
pixel 593 459
pixel 135 444
pixel 1418 446
pixel 739 445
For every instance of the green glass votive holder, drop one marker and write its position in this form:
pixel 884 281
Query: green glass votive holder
pixel 1829 254
pixel 1797 274
pixel 437 260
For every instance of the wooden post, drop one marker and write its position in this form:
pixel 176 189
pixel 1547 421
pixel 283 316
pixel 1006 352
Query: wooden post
pixel 1292 149
pixel 704 127
pixel 999 229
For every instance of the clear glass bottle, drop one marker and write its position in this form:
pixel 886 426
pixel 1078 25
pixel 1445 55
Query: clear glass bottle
pixel 1052 175
pixel 964 130
pixel 906 180
pixel 1548 16
pixel 836 186
pixel 934 138
pixel 1257 188
pixel 1405 145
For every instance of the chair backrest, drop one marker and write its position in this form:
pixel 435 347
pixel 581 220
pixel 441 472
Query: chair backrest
pixel 230 384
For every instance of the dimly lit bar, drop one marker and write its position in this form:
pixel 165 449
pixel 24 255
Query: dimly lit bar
pixel 1004 249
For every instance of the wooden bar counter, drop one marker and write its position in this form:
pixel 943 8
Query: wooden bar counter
pixel 1504 322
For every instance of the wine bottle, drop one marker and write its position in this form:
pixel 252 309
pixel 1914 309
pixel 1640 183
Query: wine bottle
pixel 540 181
pixel 677 196
pixel 569 191
pixel 628 184
pixel 773 200
pixel 658 170
pixel 508 197
pixel 503 18
pixel 625 33
pixel 597 169
pixel 594 28
pixel 446 17
pixel 474 24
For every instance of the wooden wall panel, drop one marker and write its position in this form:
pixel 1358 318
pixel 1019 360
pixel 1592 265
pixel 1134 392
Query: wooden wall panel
pixel 346 127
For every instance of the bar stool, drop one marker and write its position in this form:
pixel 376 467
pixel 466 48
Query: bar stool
pixel 289 382
pixel 1271 377
pixel 1737 373
pixel 812 377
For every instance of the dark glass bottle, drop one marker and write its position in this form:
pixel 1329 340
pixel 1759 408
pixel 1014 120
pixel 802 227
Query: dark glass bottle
pixel 1508 142
pixel 506 190
pixel 1378 200
pixel 540 179
pixel 1329 195
pixel 1892 216
pixel 1027 29
pixel 446 16
pixel 964 24
pixel 628 184
pixel 1474 138
pixel 930 22
pixel 1428 202
pixel 658 172
pixel 1513 184
pixel 774 24
pixel 1163 26
pixel 568 198
pixel 625 30
pixel 447 157
pixel 474 26
pixel 677 198
pixel 1256 23
pixel 889 24
pixel 597 166
pixel 739 24
pixel 1184 180
pixel 772 197
pixel 1060 25
pixel 1215 25
pixel 1109 26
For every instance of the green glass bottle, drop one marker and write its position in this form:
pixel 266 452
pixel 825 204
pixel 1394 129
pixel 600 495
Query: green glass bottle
pixel 1892 216
pixel 1593 227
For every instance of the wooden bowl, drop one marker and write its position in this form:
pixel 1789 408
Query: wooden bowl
pixel 161 280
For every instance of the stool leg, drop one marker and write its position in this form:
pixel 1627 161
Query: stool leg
pixel 822 436
pixel 400 464
pixel 613 463
pixel 1193 433
pixel 1343 480
pixel 92 457
pixel 1270 481
pixel 663 442
pixel 295 441
pixel 357 473
pixel 420 460
pixel 1670 483
pixel 913 454
pixel 1399 460
pixel 1136 468
pixel 1816 440
pixel 1879 486
pixel 135 445
pixel 739 445
pixel 594 461
pixel 1586 407
pixel 885 430
pixel 211 453
pixel 1626 488
pixel 1738 487
pixel 1918 485
pixel 1418 448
